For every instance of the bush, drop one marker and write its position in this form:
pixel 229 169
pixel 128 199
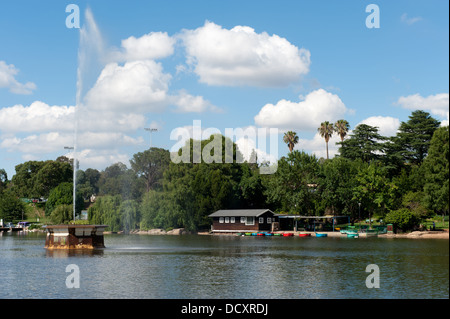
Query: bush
pixel 403 219
pixel 62 214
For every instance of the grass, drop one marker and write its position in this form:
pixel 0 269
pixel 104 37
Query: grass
pixel 439 223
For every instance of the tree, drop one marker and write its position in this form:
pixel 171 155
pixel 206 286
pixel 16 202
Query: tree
pixel 129 215
pixel 23 181
pixel 341 127
pixel 87 182
pixel 291 139
pixel 365 143
pixel 251 187
pixel 50 175
pixel 292 187
pixel 150 165
pixel 373 190
pixel 336 180
pixel 106 211
pixel 63 195
pixel 326 131
pixel 35 179
pixel 117 179
pixel 11 207
pixel 3 179
pixel 194 190
pixel 436 171
pixel 62 214
pixel 414 136
pixel 403 219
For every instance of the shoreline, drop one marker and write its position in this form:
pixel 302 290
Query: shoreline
pixel 444 234
pixel 438 234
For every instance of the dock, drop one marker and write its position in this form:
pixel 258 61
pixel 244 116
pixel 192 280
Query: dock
pixel 11 228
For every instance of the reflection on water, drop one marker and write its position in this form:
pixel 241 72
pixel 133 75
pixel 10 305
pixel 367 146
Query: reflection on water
pixel 133 266
pixel 66 253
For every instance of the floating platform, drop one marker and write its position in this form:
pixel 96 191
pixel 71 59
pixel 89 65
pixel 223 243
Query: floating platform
pixel 74 236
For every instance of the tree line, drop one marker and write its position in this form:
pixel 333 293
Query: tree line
pixel 403 179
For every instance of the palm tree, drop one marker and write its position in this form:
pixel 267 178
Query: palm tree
pixel 290 138
pixel 341 127
pixel 326 131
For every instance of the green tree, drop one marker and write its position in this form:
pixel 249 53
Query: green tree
pixel 3 179
pixel 62 214
pixel 63 195
pixel 373 190
pixel 251 187
pixel 23 181
pixel 403 219
pixel 436 171
pixel 50 175
pixel 336 180
pixel 87 182
pixel 414 136
pixel 291 139
pixel 159 210
pixel 200 187
pixel 292 187
pixel 11 207
pixel 106 211
pixel 117 179
pixel 365 143
pixel 150 166
pixel 326 131
pixel 129 215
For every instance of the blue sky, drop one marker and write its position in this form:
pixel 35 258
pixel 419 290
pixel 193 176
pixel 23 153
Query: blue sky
pixel 235 64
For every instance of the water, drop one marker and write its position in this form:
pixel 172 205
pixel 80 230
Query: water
pixel 214 267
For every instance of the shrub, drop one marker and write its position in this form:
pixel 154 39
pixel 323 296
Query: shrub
pixel 403 219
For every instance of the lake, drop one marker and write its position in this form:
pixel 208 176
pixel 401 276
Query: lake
pixel 226 267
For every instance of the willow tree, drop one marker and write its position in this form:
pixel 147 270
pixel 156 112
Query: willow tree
pixel 290 138
pixel 326 131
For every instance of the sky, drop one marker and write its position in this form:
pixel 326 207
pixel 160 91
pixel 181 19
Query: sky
pixel 184 67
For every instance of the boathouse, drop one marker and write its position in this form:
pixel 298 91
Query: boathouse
pixel 243 220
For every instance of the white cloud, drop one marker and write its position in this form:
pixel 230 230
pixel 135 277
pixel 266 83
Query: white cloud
pixel 186 102
pixel 317 146
pixel 8 80
pixel 38 117
pixel 387 126
pixel 55 142
pixel 151 46
pixel 241 56
pixel 317 106
pixel 247 145
pixel 38 143
pixel 138 86
pixel 409 21
pixel 437 104
pixel 100 159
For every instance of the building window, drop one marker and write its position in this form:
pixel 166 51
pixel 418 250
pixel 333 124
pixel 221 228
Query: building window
pixel 221 220
pixel 227 220
pixel 232 220
pixel 269 220
pixel 250 221
pixel 242 220
pixel 261 220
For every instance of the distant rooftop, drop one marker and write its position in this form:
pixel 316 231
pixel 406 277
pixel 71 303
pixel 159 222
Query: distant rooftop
pixel 239 212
